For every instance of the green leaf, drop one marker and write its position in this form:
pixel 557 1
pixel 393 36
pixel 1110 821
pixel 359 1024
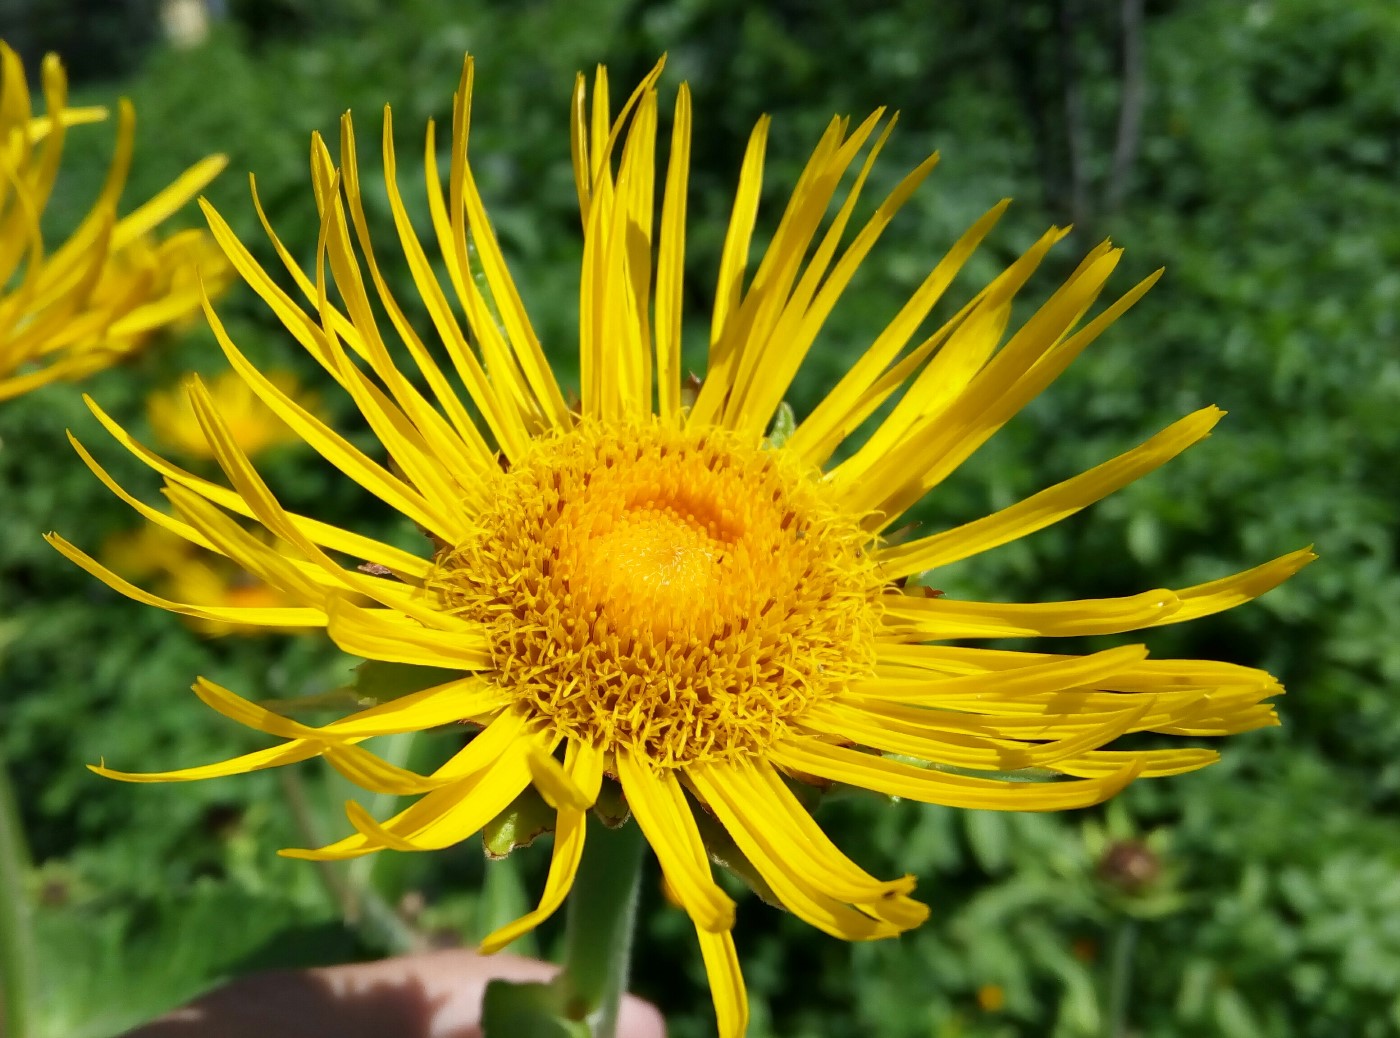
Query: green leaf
pixel 380 682
pixel 504 898
pixel 784 425
pixel 524 819
pixel 988 836
pixel 514 1009
pixel 611 806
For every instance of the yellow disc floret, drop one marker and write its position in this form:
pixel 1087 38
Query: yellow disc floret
pixel 685 594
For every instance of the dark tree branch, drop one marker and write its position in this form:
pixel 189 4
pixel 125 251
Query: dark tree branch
pixel 1076 126
pixel 1130 102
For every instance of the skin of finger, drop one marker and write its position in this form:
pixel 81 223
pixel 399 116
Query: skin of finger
pixel 429 995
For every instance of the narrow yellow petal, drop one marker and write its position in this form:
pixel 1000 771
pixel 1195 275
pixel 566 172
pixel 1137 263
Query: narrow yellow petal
pixel 381 634
pixel 735 256
pixel 801 322
pixel 375 774
pixel 927 619
pixel 726 982
pixel 1154 763
pixel 910 738
pixel 1218 595
pixel 843 877
pixel 438 819
pixel 660 809
pixel 777 858
pixel 840 411
pixel 929 786
pixel 163 205
pixel 1049 506
pixel 324 440
pixel 1036 674
pixel 275 757
pixel 670 271
pixel 250 486
pixel 583 766
pixel 262 616
pixel 554 783
pixel 462 699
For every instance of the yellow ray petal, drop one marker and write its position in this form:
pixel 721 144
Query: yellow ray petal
pixel 381 634
pixel 503 420
pixel 555 785
pixel 912 616
pixel 1049 506
pixel 262 616
pixel 268 510
pixel 442 817
pixel 726 982
pixel 324 440
pixel 1035 675
pixel 907 737
pixel 375 774
pixel 583 768
pixel 1216 596
pixel 844 878
pixel 274 757
pixel 1154 763
pixel 450 702
pixel 935 787
pixel 777 858
pixel 660 809
pixel 842 409
pixel 466 199
pixel 670 269
pixel 398 561
pixel 798 328
pixel 735 255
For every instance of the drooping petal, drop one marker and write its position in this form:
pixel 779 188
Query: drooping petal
pixel 583 770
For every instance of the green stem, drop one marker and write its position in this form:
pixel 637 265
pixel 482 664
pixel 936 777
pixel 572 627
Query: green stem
pixel 601 917
pixel 503 899
pixel 360 906
pixel 1120 967
pixel 18 970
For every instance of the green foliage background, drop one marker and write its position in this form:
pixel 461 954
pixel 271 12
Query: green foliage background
pixel 1265 181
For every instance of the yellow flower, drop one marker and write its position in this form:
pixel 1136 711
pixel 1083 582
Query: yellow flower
pixel 254 426
pixel 101 294
pixel 180 569
pixel 654 587
pixel 991 998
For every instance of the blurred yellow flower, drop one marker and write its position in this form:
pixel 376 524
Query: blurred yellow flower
pixel 253 425
pixel 653 584
pixel 181 570
pixel 99 296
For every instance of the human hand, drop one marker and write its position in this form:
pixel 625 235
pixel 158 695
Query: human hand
pixel 430 995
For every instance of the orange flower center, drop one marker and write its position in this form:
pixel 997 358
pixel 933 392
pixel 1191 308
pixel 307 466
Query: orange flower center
pixel 681 593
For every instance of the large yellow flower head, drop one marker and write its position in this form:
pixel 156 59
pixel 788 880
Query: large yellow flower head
pixel 101 294
pixel 648 585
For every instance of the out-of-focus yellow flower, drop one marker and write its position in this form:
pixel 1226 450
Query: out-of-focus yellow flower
pixel 252 424
pixel 100 295
pixel 179 569
pixel 991 998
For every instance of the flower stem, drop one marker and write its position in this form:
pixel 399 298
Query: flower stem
pixel 1120 974
pixel 601 917
pixel 18 971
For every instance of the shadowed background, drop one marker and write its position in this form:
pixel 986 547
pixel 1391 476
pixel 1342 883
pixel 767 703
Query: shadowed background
pixel 1251 148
